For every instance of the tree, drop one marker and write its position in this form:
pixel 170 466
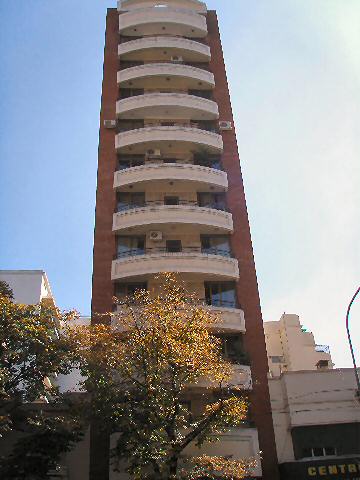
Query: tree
pixel 138 372
pixel 5 290
pixel 32 352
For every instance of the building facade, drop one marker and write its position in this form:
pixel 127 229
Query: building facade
pixel 315 410
pixel 290 347
pixel 170 195
pixel 30 287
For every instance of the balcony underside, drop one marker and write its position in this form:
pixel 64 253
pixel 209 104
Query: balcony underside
pixel 163 47
pixel 162 21
pixel 166 76
pixel 167 106
pixel 192 265
pixel 168 140
pixel 173 217
pixel 159 176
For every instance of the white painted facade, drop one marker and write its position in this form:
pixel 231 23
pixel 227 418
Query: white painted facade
pixel 30 287
pixel 291 348
pixel 308 398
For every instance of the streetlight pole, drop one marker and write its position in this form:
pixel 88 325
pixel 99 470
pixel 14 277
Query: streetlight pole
pixel 351 345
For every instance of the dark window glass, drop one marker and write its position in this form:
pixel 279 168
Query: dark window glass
pixel 130 246
pixel 131 161
pixel 131 92
pixel 173 246
pixel 221 294
pixel 330 451
pixel 307 452
pixel 126 200
pixel 233 349
pixel 318 452
pixel 216 201
pixel 171 201
pixel 216 245
pixel 126 125
pixel 123 290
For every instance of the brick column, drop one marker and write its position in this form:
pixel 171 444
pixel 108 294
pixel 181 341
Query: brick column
pixel 247 289
pixel 104 239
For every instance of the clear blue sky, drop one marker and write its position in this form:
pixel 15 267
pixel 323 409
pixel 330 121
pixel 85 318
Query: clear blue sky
pixel 294 70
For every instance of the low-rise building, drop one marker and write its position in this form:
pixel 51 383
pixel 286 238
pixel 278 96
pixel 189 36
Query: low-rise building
pixel 29 287
pixel 316 413
pixel 291 347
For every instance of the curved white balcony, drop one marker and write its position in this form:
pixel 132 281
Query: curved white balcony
pixel 154 48
pixel 162 173
pixel 240 379
pixel 162 21
pixel 188 262
pixel 166 75
pixel 195 5
pixel 231 320
pixel 206 219
pixel 167 106
pixel 183 136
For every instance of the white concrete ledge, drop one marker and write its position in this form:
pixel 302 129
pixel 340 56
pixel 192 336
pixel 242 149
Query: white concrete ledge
pixel 162 20
pixel 190 76
pixel 167 105
pixel 181 47
pixel 171 171
pixel 195 5
pixel 173 214
pixel 198 263
pixel 157 134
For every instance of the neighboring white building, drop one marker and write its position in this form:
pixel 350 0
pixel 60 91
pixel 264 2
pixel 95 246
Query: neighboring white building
pixel 291 348
pixel 315 411
pixel 30 287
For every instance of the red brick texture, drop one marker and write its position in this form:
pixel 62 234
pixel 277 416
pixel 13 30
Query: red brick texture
pixel 104 239
pixel 248 293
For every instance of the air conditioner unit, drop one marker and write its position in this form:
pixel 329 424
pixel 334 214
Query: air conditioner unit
pixel 225 125
pixel 177 59
pixel 110 124
pixel 156 236
pixel 153 153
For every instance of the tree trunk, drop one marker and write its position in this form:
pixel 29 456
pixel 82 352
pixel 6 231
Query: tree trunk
pixel 173 467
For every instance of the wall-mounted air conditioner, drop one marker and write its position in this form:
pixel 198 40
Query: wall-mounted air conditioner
pixel 110 124
pixel 153 153
pixel 177 59
pixel 225 125
pixel 156 236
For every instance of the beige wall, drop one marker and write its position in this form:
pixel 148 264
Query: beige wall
pixel 287 341
pixel 311 398
pixel 30 287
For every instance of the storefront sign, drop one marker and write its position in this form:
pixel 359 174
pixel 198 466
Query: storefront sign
pixel 337 469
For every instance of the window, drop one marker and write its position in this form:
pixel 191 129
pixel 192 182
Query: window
pixel 130 246
pixel 206 160
pixel 319 452
pixel 233 349
pixel 216 245
pixel 171 201
pixel 127 200
pixel 123 290
pixel 221 294
pixel 173 246
pixel 130 161
pixel 276 359
pixel 216 201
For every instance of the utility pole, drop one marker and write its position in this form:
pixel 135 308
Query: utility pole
pixel 357 394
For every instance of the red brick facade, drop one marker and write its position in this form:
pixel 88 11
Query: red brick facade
pixel 248 293
pixel 104 243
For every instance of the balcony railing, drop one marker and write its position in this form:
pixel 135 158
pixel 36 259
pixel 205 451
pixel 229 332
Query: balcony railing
pixel 156 203
pixel 123 65
pixel 169 161
pixel 199 126
pixel 148 251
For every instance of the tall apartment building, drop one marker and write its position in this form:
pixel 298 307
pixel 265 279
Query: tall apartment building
pixel 170 195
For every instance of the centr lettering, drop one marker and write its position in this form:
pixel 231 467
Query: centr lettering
pixel 324 470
